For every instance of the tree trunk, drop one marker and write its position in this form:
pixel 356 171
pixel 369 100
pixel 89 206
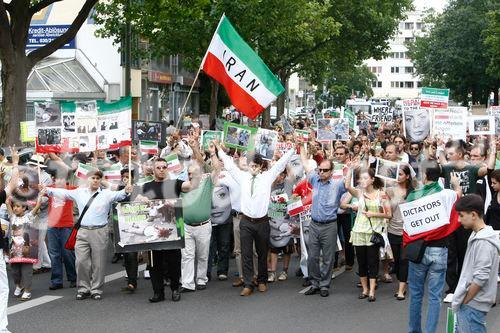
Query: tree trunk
pixel 213 100
pixel 495 96
pixel 280 103
pixel 13 110
pixel 266 118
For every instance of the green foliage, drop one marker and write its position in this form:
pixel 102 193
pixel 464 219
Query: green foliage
pixel 354 79
pixel 492 42
pixel 454 55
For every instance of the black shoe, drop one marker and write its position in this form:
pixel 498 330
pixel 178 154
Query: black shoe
pixel 324 293
pixel 176 295
pixel 56 286
pixel 157 298
pixel 201 287
pixel 81 296
pixel 96 297
pixel 72 284
pixel 306 283
pixel 311 291
pixel 371 299
pixel 185 290
pixel 298 272
pixel 116 257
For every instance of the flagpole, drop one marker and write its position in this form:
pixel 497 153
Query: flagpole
pixel 38 167
pixel 130 165
pixel 198 73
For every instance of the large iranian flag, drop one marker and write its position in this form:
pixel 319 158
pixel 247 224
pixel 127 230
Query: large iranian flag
pixel 250 84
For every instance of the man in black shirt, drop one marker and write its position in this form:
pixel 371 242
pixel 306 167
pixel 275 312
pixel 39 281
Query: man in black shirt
pixel 164 263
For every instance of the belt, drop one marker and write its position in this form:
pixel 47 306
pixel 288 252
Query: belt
pixel 198 224
pixel 92 227
pixel 324 222
pixel 256 220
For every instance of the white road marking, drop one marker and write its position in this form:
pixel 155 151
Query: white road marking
pixel 30 304
pixel 45 299
pixel 304 290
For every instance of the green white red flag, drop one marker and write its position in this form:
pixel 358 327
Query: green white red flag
pixel 148 147
pixel 250 84
pixel 83 170
pixel 113 173
pixel 173 163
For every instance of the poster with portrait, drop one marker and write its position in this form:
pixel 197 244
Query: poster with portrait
pixel 151 225
pixel 221 205
pixel 266 143
pixel 239 136
pixel 47 114
pixel 86 109
pixel 450 123
pixel 387 170
pixel 331 129
pixel 23 243
pixel 481 125
pixel 148 131
pixel 209 136
pixel 416 123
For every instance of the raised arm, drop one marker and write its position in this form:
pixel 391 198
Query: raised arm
pixel 280 165
pixel 492 156
pixel 36 209
pixel 228 162
pixel 60 193
pixel 347 184
pixel 304 159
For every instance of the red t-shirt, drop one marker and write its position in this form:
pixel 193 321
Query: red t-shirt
pixel 60 211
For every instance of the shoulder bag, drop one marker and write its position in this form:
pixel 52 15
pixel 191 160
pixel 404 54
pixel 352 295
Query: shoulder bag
pixel 70 243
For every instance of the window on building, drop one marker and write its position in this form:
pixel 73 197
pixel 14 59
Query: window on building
pixel 379 84
pixel 409 39
pixel 409 84
pixel 394 69
pixel 419 84
pixel 419 25
pixel 409 25
pixel 408 70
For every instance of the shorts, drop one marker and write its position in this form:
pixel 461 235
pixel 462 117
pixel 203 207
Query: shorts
pixel 287 249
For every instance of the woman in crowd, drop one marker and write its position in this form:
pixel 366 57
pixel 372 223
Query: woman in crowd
pixel 373 210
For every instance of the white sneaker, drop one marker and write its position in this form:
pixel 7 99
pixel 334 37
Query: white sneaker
pixel 146 274
pixel 222 277
pixel 283 276
pixel 448 298
pixel 26 296
pixel 271 277
pixel 18 291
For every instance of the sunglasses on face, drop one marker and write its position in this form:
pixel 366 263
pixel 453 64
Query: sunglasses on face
pixel 324 170
pixel 161 168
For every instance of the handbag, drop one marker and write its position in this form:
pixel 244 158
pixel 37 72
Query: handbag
pixel 414 251
pixel 376 238
pixel 70 243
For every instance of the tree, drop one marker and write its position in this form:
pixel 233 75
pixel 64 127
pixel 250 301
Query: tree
pixel 15 18
pixel 453 54
pixel 344 83
pixel 492 42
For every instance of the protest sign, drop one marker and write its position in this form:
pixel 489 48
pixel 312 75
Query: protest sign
pixel 381 114
pixel 434 98
pixel 387 170
pixel 85 126
pixel 148 131
pixel 47 114
pixel 495 112
pixel 186 121
pixel 333 129
pixel 284 146
pixel 451 321
pixel 450 123
pixel 411 104
pixel 425 214
pixel 287 127
pixel 416 122
pixel 239 136
pixel 24 243
pixel 481 125
pixel 28 131
pixel 266 142
pixel 209 136
pixel 153 225
pixel 351 117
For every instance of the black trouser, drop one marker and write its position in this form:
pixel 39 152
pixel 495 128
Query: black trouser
pixel 457 245
pixel 220 245
pixel 251 232
pixel 368 259
pixel 165 264
pixel 131 266
pixel 344 224
pixel 400 264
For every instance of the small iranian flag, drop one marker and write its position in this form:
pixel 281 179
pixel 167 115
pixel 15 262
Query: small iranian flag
pixel 112 173
pixel 173 164
pixel 250 84
pixel 148 147
pixel 303 134
pixel 295 207
pixel 83 170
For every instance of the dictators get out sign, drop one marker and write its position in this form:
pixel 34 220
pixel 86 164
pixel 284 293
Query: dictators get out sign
pixel 425 214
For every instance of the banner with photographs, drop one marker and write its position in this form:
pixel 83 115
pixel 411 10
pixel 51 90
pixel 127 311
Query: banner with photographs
pixel 331 129
pixel 23 243
pixel 148 131
pixel 152 225
pixel 209 136
pixel 450 123
pixel 266 143
pixel 239 136
pixel 481 125
pixel 83 126
pixel 416 121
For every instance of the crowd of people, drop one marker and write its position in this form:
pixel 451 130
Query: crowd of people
pixel 237 203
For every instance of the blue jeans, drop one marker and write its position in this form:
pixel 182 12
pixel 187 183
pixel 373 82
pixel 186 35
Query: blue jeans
pixel 57 237
pixel 433 269
pixel 471 320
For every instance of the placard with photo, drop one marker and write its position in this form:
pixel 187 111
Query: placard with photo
pixel 148 131
pixel 265 143
pixel 47 114
pixel 481 125
pixel 387 170
pixel 239 136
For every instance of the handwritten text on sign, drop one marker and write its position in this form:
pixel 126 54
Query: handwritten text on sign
pixel 425 214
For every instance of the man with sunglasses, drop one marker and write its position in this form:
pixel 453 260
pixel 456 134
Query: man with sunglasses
pixel 164 263
pixel 323 228
pixel 254 225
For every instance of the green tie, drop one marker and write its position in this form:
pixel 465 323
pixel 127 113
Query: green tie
pixel 252 186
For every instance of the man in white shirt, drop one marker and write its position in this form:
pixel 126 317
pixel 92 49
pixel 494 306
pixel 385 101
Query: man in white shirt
pixel 254 224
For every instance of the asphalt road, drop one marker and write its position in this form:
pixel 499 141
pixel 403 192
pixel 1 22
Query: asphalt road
pixel 219 308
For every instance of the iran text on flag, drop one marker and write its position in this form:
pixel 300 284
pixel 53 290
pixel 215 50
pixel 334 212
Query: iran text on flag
pixel 148 147
pixel 83 170
pixel 250 84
